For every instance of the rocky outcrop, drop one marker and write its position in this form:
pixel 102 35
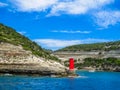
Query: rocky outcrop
pixel 81 55
pixel 14 59
pixel 104 64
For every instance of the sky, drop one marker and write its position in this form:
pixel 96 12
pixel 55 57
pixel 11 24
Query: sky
pixel 55 24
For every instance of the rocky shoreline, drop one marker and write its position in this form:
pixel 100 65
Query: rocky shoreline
pixel 15 60
pixel 30 69
pixel 20 55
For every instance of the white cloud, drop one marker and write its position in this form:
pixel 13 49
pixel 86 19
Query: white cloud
pixel 107 18
pixel 77 6
pixel 22 32
pixel 55 44
pixel 57 7
pixel 33 5
pixel 3 4
pixel 72 32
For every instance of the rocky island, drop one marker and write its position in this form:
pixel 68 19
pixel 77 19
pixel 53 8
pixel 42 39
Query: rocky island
pixel 20 55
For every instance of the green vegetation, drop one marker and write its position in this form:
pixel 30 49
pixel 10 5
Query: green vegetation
pixel 9 35
pixel 100 64
pixel 96 46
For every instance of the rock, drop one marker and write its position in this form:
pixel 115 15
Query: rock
pixel 81 55
pixel 16 60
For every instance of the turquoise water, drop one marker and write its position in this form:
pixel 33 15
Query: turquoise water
pixel 87 81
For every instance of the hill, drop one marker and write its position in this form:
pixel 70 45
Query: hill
pixel 9 35
pixel 98 56
pixel 106 46
pixel 20 55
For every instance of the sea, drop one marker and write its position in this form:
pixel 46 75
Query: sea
pixel 86 81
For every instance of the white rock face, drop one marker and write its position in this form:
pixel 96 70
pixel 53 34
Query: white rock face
pixel 81 55
pixel 14 55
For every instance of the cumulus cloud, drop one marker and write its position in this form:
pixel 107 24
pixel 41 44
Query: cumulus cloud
pixel 58 7
pixel 72 7
pixel 32 5
pixel 107 18
pixel 55 44
pixel 77 6
pixel 3 4
pixel 72 32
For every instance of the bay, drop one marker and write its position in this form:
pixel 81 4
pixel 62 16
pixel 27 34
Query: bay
pixel 86 81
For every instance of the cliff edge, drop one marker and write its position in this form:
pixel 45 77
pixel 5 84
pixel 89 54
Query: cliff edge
pixel 19 55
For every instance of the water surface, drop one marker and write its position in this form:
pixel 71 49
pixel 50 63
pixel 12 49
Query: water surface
pixel 87 81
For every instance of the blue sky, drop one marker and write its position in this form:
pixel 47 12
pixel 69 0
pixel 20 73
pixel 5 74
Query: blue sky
pixel 55 24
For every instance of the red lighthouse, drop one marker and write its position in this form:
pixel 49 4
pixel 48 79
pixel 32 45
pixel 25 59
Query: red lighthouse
pixel 71 64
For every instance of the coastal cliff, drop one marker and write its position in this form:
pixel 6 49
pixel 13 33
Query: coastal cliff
pixel 19 55
pixel 98 56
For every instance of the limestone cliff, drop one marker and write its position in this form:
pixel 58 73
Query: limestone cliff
pixel 19 55
pixel 99 56
pixel 81 55
pixel 95 50
pixel 14 59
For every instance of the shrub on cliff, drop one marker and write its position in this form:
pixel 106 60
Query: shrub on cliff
pixel 9 35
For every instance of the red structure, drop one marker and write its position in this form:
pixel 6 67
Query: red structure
pixel 71 64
